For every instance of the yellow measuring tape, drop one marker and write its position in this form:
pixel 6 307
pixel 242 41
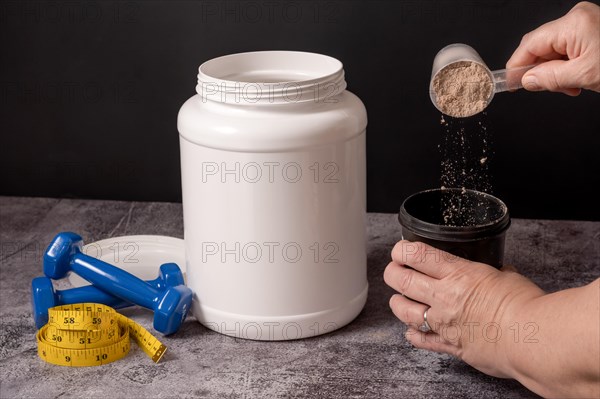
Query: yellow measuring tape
pixel 91 334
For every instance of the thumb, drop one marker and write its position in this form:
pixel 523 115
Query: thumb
pixel 556 75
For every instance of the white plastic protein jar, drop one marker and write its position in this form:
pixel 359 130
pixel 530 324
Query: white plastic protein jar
pixel 274 196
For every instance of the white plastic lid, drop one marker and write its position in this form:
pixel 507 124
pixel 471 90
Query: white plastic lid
pixel 139 255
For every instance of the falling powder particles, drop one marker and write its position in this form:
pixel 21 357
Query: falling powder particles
pixel 462 89
pixel 465 152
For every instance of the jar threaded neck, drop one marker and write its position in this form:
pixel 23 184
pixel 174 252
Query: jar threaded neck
pixel 271 77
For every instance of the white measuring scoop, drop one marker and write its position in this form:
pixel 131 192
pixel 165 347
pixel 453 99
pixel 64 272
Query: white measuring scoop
pixel 500 80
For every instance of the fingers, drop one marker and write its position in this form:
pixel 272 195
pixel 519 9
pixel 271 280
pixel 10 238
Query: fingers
pixel 544 43
pixel 558 75
pixel 411 313
pixel 426 259
pixel 408 311
pixel 430 341
pixel 409 282
pixel 569 48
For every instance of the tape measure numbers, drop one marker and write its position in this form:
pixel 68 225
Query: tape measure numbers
pixel 91 334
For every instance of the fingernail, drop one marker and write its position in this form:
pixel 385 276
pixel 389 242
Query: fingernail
pixel 530 83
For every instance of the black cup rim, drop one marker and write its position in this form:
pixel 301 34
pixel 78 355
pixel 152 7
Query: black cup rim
pixel 455 233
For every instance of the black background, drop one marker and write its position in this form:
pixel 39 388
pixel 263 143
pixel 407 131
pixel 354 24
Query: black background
pixel 90 92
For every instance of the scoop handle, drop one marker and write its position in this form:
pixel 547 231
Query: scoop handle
pixel 510 79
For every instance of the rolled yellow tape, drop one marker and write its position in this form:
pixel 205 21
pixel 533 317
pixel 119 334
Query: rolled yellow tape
pixel 91 334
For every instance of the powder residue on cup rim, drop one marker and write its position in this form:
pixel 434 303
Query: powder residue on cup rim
pixel 462 89
pixel 462 208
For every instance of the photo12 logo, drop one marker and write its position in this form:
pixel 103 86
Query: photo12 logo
pixel 269 252
pixel 264 92
pixel 490 332
pixel 268 331
pixel 21 251
pixel 117 252
pixel 269 172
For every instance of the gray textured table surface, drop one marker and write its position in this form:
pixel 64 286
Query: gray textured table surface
pixel 368 358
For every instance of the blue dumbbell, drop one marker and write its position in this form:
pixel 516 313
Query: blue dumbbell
pixel 44 297
pixel 170 306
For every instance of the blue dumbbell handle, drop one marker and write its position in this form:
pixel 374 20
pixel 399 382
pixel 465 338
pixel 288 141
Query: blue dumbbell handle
pixel 95 295
pixel 115 281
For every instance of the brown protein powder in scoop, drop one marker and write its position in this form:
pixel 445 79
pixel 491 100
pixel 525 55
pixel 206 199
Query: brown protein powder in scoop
pixel 462 89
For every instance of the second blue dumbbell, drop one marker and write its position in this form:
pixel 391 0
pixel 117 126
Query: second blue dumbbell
pixel 44 296
pixel 170 307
